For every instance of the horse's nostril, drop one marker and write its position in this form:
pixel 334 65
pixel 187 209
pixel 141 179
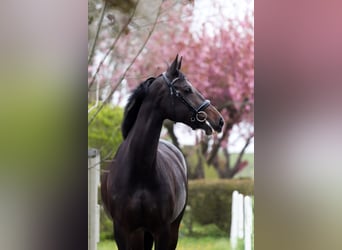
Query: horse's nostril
pixel 221 122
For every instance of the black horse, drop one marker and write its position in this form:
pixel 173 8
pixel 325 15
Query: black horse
pixel 145 190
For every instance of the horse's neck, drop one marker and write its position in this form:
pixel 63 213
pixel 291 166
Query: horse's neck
pixel 144 136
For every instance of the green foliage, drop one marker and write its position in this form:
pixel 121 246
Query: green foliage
pixel 210 172
pixel 106 226
pixel 197 230
pixel 107 245
pixel 104 133
pixel 211 200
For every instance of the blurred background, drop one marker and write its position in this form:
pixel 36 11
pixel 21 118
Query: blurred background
pixel 129 41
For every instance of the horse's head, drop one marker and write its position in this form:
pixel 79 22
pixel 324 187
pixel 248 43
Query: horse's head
pixel 181 102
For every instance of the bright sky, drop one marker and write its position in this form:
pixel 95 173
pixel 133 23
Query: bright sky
pixel 206 12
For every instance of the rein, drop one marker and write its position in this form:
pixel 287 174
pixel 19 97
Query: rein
pixel 197 112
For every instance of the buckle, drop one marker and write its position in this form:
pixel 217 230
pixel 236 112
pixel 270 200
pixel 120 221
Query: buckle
pixel 201 113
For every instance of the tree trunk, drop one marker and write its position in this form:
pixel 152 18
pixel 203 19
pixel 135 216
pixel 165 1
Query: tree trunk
pixel 199 170
pixel 169 125
pixel 225 170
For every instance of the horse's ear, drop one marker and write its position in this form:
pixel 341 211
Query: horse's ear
pixel 172 70
pixel 180 63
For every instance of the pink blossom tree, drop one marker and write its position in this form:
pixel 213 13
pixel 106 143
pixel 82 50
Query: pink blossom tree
pixel 219 63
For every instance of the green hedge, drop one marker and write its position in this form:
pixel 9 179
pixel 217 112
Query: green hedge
pixel 210 201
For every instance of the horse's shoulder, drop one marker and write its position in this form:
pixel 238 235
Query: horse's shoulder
pixel 166 147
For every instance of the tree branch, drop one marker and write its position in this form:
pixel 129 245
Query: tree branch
pixel 112 46
pixel 97 32
pixel 242 152
pixel 216 146
pixel 204 146
pixel 234 117
pixel 129 66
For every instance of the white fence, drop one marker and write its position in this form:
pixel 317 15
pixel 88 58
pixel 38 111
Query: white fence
pixel 242 221
pixel 93 207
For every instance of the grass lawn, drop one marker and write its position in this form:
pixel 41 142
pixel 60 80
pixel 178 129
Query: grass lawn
pixel 204 243
pixel 207 237
pixel 184 243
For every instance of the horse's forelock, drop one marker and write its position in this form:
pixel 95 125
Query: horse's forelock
pixel 133 106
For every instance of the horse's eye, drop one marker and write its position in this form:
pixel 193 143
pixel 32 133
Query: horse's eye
pixel 188 91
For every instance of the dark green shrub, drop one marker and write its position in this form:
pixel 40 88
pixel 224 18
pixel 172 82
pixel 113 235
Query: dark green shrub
pixel 104 133
pixel 211 200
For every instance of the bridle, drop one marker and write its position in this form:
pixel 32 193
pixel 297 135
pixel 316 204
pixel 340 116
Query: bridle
pixel 197 112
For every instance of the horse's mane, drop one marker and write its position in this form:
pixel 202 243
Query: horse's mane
pixel 133 106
